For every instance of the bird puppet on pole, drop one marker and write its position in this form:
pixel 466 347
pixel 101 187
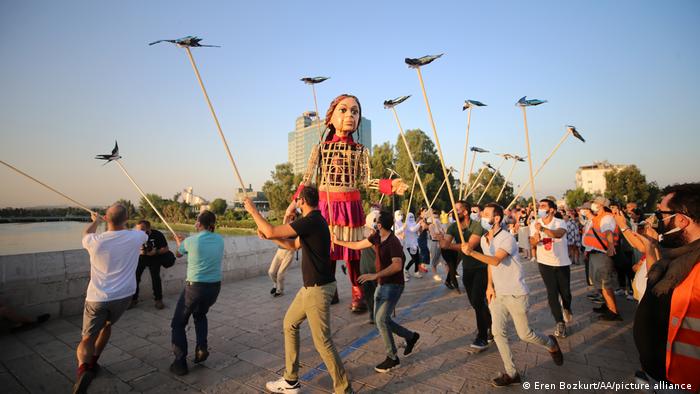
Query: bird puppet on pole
pixel 114 156
pixel 524 103
pixel 194 42
pixel 417 63
pixel 516 159
pixel 570 130
pixel 468 105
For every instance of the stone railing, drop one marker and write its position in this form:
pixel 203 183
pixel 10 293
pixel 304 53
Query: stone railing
pixel 55 282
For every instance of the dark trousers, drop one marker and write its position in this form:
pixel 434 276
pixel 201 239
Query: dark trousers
pixel 452 263
pixel 153 265
pixel 557 280
pixel 623 266
pixel 475 283
pixel 587 262
pixel 414 261
pixel 195 300
pixel 368 289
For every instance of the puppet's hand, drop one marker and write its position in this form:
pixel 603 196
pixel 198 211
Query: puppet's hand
pixel 398 186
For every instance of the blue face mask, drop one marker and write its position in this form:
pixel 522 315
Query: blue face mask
pixel 486 224
pixel 541 213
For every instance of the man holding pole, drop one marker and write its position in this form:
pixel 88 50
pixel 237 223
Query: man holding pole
pixel 114 255
pixel 312 302
pixel 474 274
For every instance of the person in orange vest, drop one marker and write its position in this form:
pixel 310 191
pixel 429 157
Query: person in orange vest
pixel 667 321
pixel 600 239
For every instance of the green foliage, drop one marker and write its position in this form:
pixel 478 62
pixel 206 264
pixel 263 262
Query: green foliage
pixel 381 159
pixel 576 197
pixel 130 208
pixel 630 185
pixel 146 212
pixel 479 185
pixel 218 206
pixel 280 189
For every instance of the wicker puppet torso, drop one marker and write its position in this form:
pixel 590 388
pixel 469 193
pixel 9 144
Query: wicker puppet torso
pixel 339 168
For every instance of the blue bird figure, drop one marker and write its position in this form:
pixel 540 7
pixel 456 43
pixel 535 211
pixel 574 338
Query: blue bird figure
pixel 189 41
pixel 421 61
pixel 472 103
pixel 477 149
pixel 523 102
pixel 392 103
pixel 575 133
pixel 313 80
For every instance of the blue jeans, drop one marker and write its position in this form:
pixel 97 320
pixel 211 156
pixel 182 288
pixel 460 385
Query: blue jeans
pixel 195 300
pixel 385 299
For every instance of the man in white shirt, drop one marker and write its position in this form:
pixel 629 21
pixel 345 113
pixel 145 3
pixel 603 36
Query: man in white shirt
pixel 548 234
pixel 114 256
pixel 507 293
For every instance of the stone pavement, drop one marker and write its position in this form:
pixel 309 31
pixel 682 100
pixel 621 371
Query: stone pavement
pixel 245 338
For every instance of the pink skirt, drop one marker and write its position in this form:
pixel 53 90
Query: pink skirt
pixel 348 220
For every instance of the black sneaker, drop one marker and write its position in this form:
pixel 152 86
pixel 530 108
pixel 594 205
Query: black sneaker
pixel 609 316
pixel 505 380
pixel 601 309
pixel 479 345
pixel 179 367
pixel 449 285
pixel 410 344
pixel 277 294
pixel 273 290
pixel 84 380
pixel 557 355
pixel 387 365
pixel 200 354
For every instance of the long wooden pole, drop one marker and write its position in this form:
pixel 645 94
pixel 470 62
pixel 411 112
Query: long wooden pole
pixel 520 192
pixel 146 198
pixel 410 155
pixel 410 198
pixel 442 160
pixel 78 204
pixel 476 183
pixel 529 160
pixel 490 181
pixel 324 173
pixel 469 175
pixel 466 147
pixel 505 182
pixel 437 194
pixel 216 120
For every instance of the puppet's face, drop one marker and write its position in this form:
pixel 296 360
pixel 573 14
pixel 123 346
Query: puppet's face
pixel 346 117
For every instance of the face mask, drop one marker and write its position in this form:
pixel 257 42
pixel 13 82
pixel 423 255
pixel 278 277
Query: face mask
pixel 541 213
pixel 298 210
pixel 486 224
pixel 474 216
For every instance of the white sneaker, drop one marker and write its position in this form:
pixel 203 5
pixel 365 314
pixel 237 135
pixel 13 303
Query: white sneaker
pixel 406 276
pixel 437 278
pixel 568 316
pixel 281 386
pixel 417 275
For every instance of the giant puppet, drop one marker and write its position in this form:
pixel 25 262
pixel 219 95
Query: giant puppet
pixel 340 167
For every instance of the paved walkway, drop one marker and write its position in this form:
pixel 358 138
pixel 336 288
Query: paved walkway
pixel 245 338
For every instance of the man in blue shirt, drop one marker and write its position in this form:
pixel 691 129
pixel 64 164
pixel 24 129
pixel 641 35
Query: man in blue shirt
pixel 204 252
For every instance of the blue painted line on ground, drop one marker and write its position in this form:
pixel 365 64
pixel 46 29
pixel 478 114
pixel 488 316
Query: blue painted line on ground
pixel 359 342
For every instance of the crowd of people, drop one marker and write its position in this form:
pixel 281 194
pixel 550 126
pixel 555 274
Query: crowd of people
pixel 652 261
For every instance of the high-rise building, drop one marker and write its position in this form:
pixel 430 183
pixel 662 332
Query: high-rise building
pixel 306 135
pixel 592 178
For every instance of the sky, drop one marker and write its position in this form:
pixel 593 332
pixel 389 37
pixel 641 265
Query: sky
pixel 77 75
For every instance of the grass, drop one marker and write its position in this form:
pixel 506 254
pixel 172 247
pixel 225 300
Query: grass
pixel 189 228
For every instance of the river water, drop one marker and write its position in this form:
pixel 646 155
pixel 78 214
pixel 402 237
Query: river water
pixel 18 238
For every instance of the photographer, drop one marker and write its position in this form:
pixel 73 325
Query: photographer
pixel 154 253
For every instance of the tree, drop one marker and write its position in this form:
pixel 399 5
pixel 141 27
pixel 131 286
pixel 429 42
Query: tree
pixel 430 170
pixel 630 185
pixel 145 210
pixel 218 206
pixel 493 189
pixel 281 187
pixel 576 197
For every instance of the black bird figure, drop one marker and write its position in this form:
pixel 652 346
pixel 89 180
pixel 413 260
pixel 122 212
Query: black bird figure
pixel 472 103
pixel 477 149
pixel 113 156
pixel 518 158
pixel 392 103
pixel 421 61
pixel 189 41
pixel 575 132
pixel 523 102
pixel 313 80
